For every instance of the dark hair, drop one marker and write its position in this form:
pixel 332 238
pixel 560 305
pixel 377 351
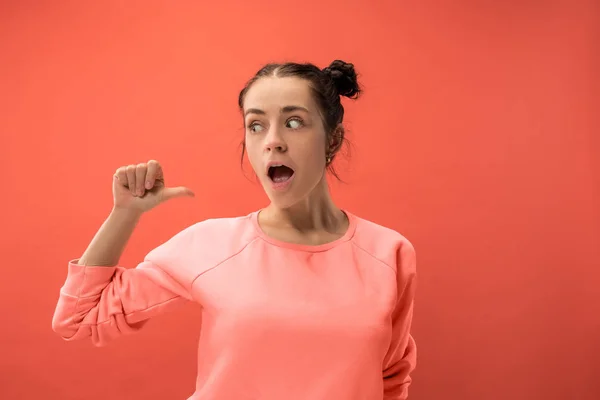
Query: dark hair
pixel 327 85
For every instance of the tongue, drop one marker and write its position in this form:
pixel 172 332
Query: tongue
pixel 282 174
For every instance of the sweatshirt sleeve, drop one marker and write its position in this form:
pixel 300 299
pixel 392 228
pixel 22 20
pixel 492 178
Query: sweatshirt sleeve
pixel 401 358
pixel 102 303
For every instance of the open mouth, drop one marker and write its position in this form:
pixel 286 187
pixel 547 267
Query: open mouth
pixel 280 173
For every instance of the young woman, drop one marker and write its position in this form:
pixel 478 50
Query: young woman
pixel 300 300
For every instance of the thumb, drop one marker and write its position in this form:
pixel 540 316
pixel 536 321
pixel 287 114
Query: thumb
pixel 181 191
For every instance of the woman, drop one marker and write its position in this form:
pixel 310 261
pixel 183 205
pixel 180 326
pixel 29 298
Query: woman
pixel 300 300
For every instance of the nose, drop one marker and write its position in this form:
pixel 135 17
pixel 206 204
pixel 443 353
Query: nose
pixel 274 141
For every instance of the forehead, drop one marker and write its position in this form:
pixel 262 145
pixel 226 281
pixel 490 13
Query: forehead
pixel 273 92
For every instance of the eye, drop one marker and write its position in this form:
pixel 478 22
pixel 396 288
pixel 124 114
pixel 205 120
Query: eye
pixel 255 127
pixel 294 123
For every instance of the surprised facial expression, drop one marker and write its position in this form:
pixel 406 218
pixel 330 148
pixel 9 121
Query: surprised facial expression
pixel 285 138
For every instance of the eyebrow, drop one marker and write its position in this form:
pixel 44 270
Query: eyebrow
pixel 284 110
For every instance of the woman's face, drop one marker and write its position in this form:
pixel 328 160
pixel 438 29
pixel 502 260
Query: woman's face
pixel 284 127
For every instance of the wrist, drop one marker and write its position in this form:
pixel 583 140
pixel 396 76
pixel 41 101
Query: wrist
pixel 127 214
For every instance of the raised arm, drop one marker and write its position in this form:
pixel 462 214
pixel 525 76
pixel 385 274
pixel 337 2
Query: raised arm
pixel 102 300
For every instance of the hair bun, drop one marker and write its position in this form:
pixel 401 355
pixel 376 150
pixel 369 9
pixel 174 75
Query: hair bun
pixel 344 78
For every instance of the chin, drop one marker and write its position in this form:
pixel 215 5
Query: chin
pixel 281 193
pixel 282 200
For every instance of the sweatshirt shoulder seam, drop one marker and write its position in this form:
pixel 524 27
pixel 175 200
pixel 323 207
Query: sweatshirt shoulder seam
pixel 374 257
pixel 244 247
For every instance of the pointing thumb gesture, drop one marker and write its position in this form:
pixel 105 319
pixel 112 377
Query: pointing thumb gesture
pixel 142 187
pixel 180 191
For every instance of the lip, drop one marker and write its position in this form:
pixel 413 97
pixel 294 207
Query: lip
pixel 275 162
pixel 279 186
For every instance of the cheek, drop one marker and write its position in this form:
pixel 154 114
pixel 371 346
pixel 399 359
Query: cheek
pixel 315 157
pixel 251 152
pixel 318 148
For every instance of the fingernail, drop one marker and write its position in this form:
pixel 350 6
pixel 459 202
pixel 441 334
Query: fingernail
pixel 148 185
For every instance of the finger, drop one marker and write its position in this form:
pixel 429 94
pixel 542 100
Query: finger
pixel 121 175
pixel 154 172
pixel 131 178
pixel 140 178
pixel 181 191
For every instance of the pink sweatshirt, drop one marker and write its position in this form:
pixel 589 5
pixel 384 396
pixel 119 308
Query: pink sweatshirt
pixel 279 320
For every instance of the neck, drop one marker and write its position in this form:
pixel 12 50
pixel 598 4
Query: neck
pixel 316 212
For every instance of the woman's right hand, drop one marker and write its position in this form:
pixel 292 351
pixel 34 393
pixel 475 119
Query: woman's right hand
pixel 141 187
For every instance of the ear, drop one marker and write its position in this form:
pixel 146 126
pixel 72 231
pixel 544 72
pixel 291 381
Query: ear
pixel 335 139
